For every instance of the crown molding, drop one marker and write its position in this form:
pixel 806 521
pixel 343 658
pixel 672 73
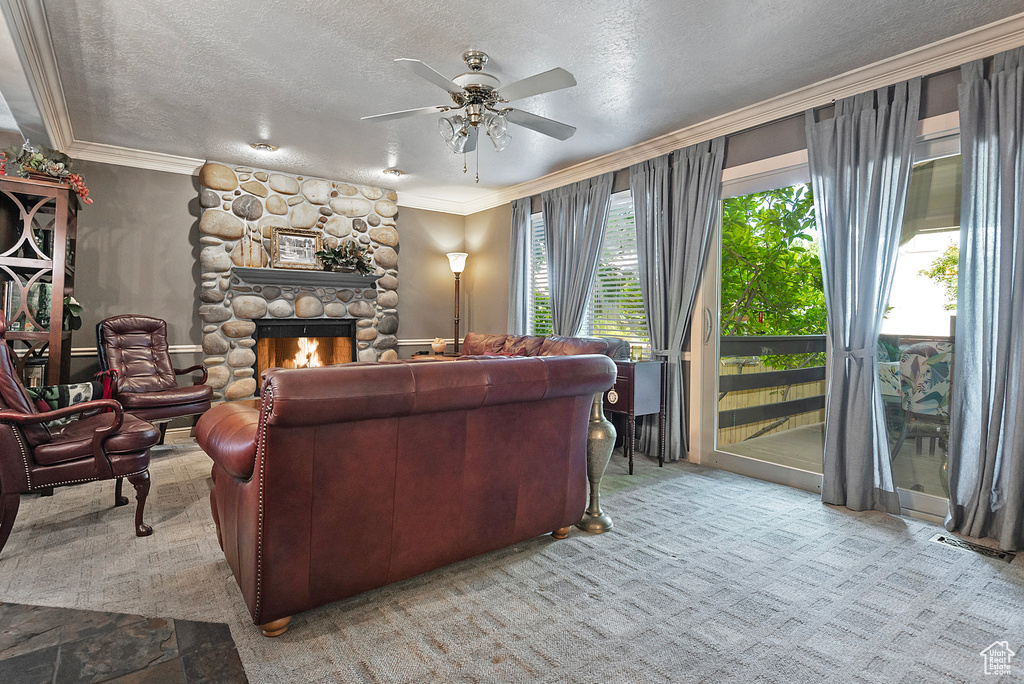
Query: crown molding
pixel 31 35
pixel 432 204
pixel 127 156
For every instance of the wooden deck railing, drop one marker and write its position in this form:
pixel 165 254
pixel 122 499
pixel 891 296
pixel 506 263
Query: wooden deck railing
pixel 770 345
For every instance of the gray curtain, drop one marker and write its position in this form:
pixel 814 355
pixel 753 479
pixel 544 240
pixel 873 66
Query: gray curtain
pixel 518 259
pixel 575 218
pixel 860 163
pixel 674 199
pixel 986 449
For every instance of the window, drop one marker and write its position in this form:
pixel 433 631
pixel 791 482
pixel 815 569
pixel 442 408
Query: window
pixel 616 307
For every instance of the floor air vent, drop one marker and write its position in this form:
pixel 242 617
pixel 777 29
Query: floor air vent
pixel 998 554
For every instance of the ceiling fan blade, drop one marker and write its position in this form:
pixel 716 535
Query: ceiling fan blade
pixel 549 127
pixel 555 79
pixel 421 69
pixel 471 141
pixel 404 113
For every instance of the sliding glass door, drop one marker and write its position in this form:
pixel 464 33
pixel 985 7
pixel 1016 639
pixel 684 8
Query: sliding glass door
pixel 916 348
pixel 760 332
pixel 768 331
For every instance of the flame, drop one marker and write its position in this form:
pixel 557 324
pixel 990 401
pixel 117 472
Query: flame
pixel 307 357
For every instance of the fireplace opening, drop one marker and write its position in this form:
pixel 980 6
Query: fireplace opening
pixel 302 352
pixel 306 344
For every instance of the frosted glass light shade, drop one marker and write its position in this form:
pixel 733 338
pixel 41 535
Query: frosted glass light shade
pixel 457 261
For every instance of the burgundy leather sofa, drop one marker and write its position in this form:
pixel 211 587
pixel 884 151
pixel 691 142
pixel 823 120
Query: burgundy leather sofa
pixel 351 477
pixel 477 344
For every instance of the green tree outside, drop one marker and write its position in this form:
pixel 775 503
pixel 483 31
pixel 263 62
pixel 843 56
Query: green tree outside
pixel 944 271
pixel 771 271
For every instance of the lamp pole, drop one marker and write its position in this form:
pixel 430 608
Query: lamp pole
pixel 457 262
pixel 457 278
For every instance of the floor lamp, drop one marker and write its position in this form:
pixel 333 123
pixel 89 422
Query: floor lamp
pixel 457 261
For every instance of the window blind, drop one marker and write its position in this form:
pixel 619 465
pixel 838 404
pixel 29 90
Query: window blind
pixel 616 306
pixel 539 306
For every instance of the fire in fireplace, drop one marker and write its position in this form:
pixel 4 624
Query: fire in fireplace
pixel 308 344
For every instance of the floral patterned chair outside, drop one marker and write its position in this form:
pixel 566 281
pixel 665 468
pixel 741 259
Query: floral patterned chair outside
pixel 926 369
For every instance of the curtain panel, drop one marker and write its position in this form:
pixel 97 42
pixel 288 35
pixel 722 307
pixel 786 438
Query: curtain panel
pixel 575 219
pixel 860 162
pixel 518 266
pixel 986 449
pixel 674 201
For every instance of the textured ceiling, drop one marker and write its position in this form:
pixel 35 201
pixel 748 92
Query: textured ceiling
pixel 203 79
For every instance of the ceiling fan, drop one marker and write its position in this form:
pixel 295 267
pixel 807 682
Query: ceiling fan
pixel 482 97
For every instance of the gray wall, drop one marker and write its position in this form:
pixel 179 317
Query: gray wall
pixel 426 290
pixel 485 301
pixel 136 253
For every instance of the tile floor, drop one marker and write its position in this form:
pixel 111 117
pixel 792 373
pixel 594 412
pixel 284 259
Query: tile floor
pixel 59 645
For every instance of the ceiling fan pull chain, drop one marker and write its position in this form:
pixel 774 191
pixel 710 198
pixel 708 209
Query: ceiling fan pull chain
pixel 478 164
pixel 463 162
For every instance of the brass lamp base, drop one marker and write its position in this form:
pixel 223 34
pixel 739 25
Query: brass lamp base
pixel 600 443
pixel 595 524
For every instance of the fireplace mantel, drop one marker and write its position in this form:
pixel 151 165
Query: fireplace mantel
pixel 299 277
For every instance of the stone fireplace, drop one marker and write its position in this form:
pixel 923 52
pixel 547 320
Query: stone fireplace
pixel 244 301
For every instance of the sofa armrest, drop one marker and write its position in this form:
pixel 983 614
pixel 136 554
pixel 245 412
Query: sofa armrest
pixel 227 433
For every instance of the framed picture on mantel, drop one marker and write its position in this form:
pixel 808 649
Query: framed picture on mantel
pixel 291 248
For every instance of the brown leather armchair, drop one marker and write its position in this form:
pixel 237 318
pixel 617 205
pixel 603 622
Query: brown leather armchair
pixel 136 348
pixel 103 444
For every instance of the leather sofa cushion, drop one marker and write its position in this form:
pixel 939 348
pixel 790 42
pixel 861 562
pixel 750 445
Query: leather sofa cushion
pixel 522 345
pixel 476 344
pixel 564 346
pixel 167 397
pixel 73 440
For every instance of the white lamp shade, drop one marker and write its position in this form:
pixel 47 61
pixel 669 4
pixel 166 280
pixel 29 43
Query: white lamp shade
pixel 457 260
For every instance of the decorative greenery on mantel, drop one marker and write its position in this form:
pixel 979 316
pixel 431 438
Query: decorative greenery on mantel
pixel 349 255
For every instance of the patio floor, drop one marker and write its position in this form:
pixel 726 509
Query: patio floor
pixel 802 447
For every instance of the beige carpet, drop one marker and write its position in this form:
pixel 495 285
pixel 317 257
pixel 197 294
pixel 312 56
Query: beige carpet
pixel 707 576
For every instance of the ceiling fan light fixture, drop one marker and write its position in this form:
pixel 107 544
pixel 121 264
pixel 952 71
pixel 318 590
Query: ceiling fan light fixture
pixel 397 173
pixel 446 129
pixel 454 132
pixel 458 145
pixel 496 124
pixel 500 142
pixel 263 147
pixel 481 98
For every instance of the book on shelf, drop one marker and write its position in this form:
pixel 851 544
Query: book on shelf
pixel 39 298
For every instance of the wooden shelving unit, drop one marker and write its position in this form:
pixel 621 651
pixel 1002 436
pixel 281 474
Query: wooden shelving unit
pixel 38 234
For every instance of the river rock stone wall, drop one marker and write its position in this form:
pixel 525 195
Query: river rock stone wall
pixel 241 206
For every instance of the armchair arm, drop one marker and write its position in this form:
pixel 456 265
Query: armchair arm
pixel 193 369
pixel 98 436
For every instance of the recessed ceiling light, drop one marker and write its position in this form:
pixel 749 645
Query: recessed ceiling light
pixel 397 173
pixel 263 147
